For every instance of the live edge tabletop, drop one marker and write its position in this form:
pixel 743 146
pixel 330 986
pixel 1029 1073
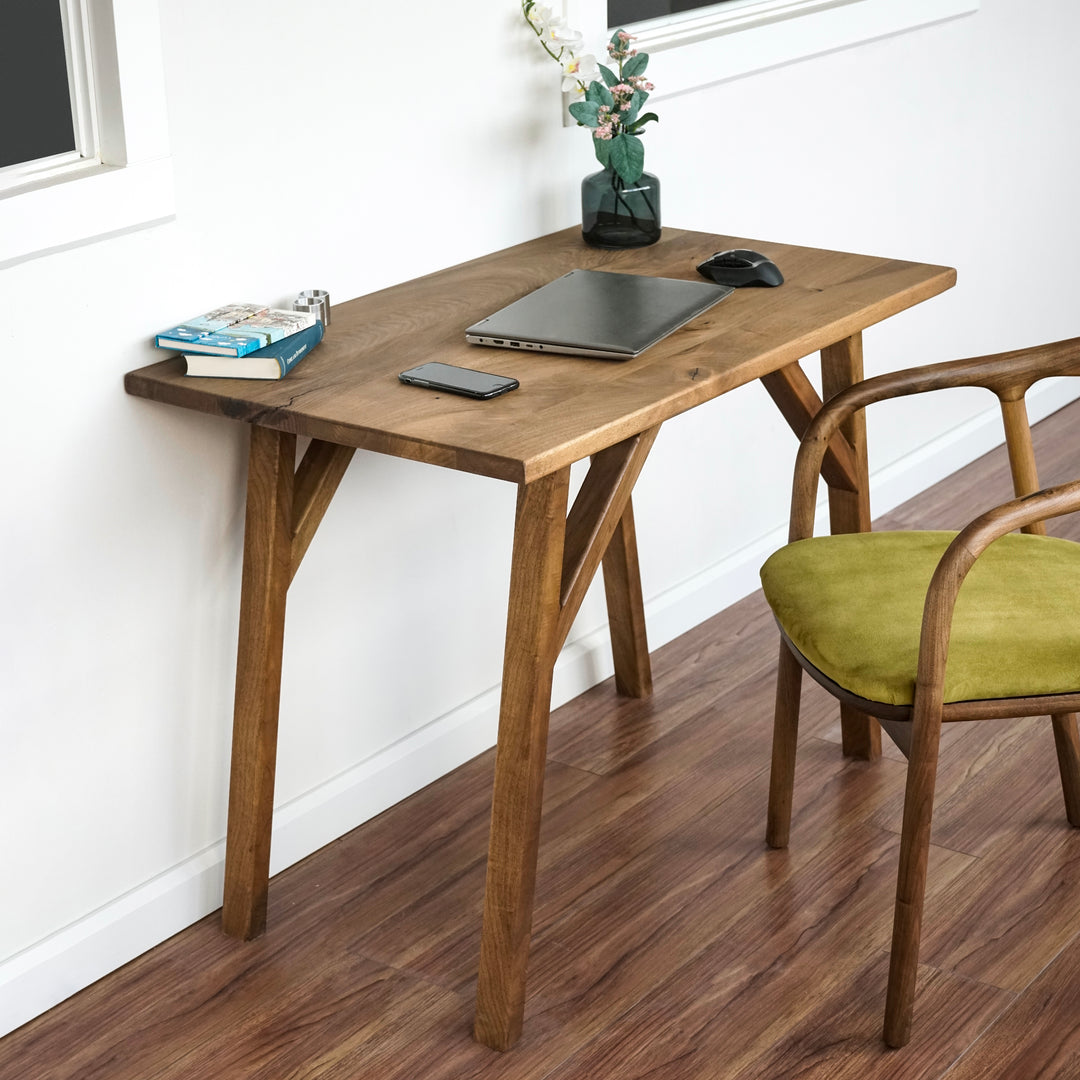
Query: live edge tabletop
pixel 347 391
pixel 346 395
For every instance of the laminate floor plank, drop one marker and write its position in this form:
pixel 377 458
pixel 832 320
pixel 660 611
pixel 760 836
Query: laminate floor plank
pixel 1038 1036
pixel 692 674
pixel 669 942
pixel 1013 913
pixel 739 995
pixel 671 781
pixel 993 777
pixel 840 1037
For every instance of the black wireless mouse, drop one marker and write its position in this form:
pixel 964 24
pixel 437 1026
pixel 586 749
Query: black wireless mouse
pixel 739 267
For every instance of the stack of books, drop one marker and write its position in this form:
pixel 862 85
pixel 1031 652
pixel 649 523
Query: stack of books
pixel 243 341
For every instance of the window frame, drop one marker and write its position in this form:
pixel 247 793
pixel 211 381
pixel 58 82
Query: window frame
pixel 123 181
pixel 706 46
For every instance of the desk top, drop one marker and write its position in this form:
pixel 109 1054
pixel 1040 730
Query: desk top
pixel 568 407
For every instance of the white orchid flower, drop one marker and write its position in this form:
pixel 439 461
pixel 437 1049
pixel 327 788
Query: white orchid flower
pixel 579 71
pixel 561 34
pixel 543 19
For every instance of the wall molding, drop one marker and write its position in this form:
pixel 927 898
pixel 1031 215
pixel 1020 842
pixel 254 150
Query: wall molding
pixel 51 970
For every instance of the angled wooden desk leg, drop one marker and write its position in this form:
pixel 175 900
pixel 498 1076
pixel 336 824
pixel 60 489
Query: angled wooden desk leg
pixel 267 569
pixel 532 644
pixel 626 610
pixel 849 511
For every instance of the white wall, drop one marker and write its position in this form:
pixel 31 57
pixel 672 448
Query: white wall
pixel 351 152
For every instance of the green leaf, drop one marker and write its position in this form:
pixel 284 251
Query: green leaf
pixel 615 39
pixel 635 107
pixel 609 76
pixel 635 65
pixel 599 93
pixel 602 149
pixel 584 112
pixel 628 157
pixel 642 121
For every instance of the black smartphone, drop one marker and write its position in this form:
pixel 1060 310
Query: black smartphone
pixel 458 380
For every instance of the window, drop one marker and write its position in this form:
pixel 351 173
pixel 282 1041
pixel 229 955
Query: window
pixel 34 74
pixel 88 156
pixel 621 12
pixel 695 48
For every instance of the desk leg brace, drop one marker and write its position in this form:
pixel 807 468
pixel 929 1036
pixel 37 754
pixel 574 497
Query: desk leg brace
pixel 284 507
pixel 555 557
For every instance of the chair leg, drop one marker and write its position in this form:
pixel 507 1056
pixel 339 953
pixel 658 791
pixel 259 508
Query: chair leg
pixel 1068 755
pixel 785 734
pixel 911 879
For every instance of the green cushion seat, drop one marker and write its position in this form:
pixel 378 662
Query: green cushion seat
pixel 852 605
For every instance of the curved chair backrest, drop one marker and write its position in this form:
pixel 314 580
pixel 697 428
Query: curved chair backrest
pixel 1008 375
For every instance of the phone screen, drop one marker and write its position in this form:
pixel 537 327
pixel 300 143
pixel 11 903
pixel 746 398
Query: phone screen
pixel 458 380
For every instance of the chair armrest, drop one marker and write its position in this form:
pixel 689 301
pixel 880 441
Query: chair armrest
pixel 958 560
pixel 1009 375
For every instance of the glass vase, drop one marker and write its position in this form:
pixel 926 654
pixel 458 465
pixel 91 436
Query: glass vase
pixel 615 214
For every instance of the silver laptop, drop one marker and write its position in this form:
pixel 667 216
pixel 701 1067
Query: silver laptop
pixel 597 313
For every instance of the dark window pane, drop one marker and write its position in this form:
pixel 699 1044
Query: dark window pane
pixel 35 106
pixel 621 12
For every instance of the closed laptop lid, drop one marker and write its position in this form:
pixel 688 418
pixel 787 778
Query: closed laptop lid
pixel 617 315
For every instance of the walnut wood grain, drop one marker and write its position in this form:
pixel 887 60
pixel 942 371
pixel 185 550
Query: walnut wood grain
pixel 785 736
pixel 1067 747
pixel 532 642
pixel 926 721
pixel 849 511
pixel 1006 374
pixel 347 395
pixel 626 609
pixel 1025 473
pixel 317 478
pixel 567 408
pixel 1009 376
pixel 541 611
pixel 668 940
pixel 794 395
pixel 266 575
pixel 594 517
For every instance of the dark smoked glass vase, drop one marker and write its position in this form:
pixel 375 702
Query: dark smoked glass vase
pixel 615 214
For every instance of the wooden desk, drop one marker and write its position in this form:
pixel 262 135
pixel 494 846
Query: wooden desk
pixel 346 395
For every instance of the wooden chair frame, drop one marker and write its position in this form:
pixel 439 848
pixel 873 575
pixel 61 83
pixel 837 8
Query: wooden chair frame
pixel 916 728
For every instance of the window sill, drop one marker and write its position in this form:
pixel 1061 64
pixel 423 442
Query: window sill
pixel 96 202
pixel 699 49
pixel 132 184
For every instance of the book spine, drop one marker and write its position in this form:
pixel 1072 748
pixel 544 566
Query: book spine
pixel 291 350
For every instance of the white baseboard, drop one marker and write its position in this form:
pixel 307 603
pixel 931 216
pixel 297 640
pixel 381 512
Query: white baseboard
pixel 47 972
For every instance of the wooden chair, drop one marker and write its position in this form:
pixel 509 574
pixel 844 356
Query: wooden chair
pixel 880 620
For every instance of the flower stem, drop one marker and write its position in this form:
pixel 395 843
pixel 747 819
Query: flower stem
pixel 526 7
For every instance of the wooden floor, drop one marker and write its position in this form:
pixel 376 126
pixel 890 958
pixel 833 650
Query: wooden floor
pixel 668 943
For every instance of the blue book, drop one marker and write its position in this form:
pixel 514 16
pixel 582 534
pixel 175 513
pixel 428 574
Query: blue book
pixel 190 331
pixel 252 328
pixel 270 362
